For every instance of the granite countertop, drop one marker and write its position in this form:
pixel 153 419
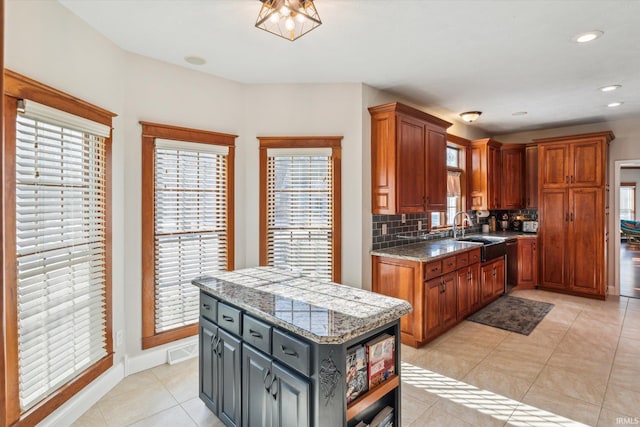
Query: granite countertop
pixel 323 312
pixel 433 250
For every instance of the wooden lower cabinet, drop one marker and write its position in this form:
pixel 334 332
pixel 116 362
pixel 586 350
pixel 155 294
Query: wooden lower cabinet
pixel 492 279
pixel 441 294
pixel 527 262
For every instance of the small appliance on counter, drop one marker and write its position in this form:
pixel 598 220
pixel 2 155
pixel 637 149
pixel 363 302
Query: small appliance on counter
pixel 504 222
pixel 530 226
pixel 516 225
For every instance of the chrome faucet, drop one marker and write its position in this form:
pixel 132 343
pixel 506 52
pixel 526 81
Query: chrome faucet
pixel 466 217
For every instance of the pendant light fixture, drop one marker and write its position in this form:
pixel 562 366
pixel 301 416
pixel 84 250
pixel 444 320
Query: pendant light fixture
pixel 470 116
pixel 289 19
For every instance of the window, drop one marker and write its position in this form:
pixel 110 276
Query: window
pixel 300 205
pixel 455 188
pixel 57 246
pixel 187 224
pixel 628 201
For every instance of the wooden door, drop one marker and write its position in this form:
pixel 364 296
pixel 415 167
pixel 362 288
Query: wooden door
pixel 498 277
pixel 486 283
pixel 292 395
pixel 436 184
pixel 432 316
pixel 527 262
pixel 555 165
pixel 478 177
pixel 587 165
pixel 512 262
pixel 412 155
pixel 400 279
pixel 464 292
pixel 512 182
pixel 553 231
pixel 257 404
pixel 495 177
pixel 230 369
pixel 586 243
pixel 474 284
pixel 449 302
pixel 208 367
pixel 383 163
pixel 531 180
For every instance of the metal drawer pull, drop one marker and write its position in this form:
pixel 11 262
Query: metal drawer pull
pixel 255 334
pixel 206 306
pixel 274 388
pixel 288 352
pixel 227 318
pixel 435 269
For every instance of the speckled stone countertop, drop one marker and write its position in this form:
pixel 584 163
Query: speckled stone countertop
pixel 323 312
pixel 433 250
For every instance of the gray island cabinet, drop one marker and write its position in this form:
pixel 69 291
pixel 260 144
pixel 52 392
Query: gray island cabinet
pixel 273 349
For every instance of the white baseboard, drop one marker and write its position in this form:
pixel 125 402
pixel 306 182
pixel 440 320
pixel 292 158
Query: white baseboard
pixel 75 407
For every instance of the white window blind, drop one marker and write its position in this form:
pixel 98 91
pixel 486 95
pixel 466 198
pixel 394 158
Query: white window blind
pixel 300 211
pixel 61 251
pixel 190 226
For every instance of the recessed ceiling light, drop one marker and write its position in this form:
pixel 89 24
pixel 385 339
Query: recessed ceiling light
pixel 588 36
pixel 195 60
pixel 610 88
pixel 519 113
pixel 615 104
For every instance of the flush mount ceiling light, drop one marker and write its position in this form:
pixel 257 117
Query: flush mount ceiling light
pixel 470 116
pixel 588 36
pixel 289 19
pixel 610 88
pixel 519 113
pixel 615 104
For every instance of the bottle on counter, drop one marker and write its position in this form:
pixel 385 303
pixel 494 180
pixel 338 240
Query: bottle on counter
pixel 492 223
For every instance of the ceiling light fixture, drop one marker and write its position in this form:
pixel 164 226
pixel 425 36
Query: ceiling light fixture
pixel 519 113
pixel 610 88
pixel 615 104
pixel 588 36
pixel 470 116
pixel 289 19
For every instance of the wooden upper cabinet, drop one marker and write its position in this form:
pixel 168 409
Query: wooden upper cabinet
pixel 408 170
pixel 485 174
pixel 531 177
pixel 573 161
pixel 512 182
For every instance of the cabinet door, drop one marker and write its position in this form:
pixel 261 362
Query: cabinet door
pixel 258 405
pixel 208 364
pixel 498 277
pixel 555 165
pixel 531 180
pixel 436 184
pixel 478 177
pixel 230 368
pixel 587 164
pixel 383 163
pixel 512 262
pixel 486 283
pixel 495 177
pixel 432 317
pixel 512 178
pixel 412 155
pixel 291 393
pixel 527 262
pixel 400 279
pixel 587 237
pixel 449 300
pixel 464 292
pixel 475 292
pixel 554 250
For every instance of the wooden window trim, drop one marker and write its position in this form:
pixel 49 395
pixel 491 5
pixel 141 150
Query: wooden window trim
pixel 151 131
pixel 333 142
pixel 16 87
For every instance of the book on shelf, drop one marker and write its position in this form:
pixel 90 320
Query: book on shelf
pixel 384 418
pixel 362 424
pixel 357 380
pixel 381 356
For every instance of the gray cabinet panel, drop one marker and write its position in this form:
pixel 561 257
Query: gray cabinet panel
pixel 257 404
pixel 292 398
pixel 208 365
pixel 230 352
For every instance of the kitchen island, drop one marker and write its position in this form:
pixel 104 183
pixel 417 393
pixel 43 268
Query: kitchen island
pixel 274 345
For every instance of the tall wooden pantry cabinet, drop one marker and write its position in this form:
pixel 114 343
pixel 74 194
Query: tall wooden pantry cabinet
pixel 573 213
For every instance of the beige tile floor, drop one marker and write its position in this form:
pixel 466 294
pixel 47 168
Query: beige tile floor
pixel 580 366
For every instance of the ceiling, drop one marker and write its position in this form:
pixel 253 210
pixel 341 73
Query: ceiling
pixel 449 56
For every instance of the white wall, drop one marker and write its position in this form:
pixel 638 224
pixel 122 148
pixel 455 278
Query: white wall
pixel 625 146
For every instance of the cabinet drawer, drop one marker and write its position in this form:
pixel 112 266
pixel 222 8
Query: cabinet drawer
pixel 462 260
pixel 474 256
pixel 208 307
pixel 256 333
pixel 448 264
pixel 291 351
pixel 433 269
pixel 229 318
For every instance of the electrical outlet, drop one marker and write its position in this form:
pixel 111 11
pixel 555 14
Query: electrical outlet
pixel 384 229
pixel 119 338
pixel 404 218
pixel 419 225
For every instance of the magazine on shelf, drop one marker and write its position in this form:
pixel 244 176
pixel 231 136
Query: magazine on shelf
pixel 381 356
pixel 384 418
pixel 357 383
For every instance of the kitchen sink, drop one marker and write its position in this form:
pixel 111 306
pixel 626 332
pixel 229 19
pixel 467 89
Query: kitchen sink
pixel 492 247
